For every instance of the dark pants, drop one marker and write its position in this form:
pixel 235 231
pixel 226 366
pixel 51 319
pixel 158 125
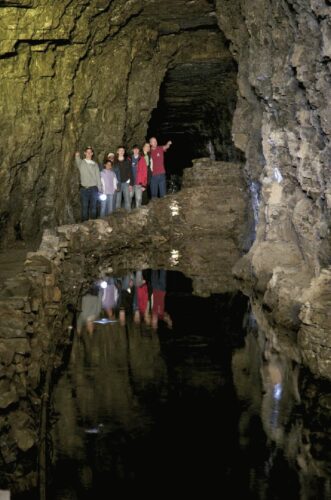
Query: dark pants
pixel 158 183
pixel 89 200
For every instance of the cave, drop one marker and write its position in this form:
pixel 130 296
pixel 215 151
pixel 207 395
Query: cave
pixel 195 110
pixel 242 90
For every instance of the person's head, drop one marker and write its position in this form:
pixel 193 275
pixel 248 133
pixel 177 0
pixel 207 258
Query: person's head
pixel 88 153
pixel 154 321
pixel 148 317
pixel 167 319
pixel 122 317
pixel 153 142
pixel 90 327
pixel 136 317
pixel 146 148
pixel 120 151
pixel 111 156
pixel 110 312
pixel 135 150
pixel 108 165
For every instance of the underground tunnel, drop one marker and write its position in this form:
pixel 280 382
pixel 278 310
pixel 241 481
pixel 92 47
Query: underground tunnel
pixel 195 109
pixel 233 269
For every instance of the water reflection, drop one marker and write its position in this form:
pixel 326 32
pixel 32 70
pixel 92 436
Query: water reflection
pixel 278 422
pixel 90 309
pixel 139 295
pixel 140 400
pixel 102 400
pixel 167 388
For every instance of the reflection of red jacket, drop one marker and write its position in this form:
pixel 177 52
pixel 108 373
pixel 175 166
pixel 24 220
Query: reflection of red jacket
pixel 142 298
pixel 158 303
pixel 142 172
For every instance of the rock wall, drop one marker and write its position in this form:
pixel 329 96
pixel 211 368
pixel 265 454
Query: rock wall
pixel 282 123
pixel 200 231
pixel 76 73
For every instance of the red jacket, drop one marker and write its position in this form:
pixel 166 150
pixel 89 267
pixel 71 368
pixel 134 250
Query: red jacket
pixel 142 172
pixel 142 298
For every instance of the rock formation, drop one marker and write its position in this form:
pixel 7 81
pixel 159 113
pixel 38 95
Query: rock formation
pixel 78 72
pixel 75 73
pixel 37 305
pixel 282 124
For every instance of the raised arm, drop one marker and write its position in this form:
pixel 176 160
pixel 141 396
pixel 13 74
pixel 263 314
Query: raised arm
pixel 78 159
pixel 167 146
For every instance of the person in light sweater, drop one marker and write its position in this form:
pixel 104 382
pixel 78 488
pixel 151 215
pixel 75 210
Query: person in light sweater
pixel 90 184
pixel 109 186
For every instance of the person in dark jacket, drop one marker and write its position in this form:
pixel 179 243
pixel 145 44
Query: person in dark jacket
pixel 122 168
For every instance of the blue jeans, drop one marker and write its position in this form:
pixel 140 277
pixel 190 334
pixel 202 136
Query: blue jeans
pixel 125 191
pixel 158 183
pixel 107 206
pixel 89 200
pixel 137 193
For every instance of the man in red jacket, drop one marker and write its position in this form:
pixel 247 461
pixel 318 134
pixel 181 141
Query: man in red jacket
pixel 158 181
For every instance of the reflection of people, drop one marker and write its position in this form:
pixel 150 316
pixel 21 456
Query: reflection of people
pixel 158 298
pixel 125 297
pixel 141 303
pixel 110 298
pixel 91 309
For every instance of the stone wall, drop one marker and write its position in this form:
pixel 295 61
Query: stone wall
pixel 76 73
pixel 282 123
pixel 200 231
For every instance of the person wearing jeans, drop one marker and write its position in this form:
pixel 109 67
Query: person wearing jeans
pixel 109 186
pixel 158 180
pixel 140 172
pixel 90 184
pixel 122 165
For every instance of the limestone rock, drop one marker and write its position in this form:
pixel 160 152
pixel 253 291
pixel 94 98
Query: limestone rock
pixel 24 438
pixel 8 394
pixel 314 335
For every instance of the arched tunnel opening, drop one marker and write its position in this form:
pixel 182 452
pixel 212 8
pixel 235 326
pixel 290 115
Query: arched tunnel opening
pixel 195 111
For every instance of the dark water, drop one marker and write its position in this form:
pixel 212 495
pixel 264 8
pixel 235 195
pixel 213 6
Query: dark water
pixel 192 400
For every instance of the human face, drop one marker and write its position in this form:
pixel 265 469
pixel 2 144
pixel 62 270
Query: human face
pixel 121 151
pixel 135 151
pixel 146 148
pixel 108 165
pixel 89 153
pixel 153 142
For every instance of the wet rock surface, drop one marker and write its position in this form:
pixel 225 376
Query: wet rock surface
pixel 74 74
pixel 37 306
pixel 281 124
pixel 53 103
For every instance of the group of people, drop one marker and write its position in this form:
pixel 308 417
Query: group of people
pixel 139 295
pixel 121 178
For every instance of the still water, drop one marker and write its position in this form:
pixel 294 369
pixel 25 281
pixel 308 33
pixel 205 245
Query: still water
pixel 167 393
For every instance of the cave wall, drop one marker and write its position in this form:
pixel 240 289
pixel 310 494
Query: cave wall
pixel 282 119
pixel 282 123
pixel 77 73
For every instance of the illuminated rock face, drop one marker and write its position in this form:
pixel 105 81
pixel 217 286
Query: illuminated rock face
pixel 79 73
pixel 75 73
pixel 282 123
